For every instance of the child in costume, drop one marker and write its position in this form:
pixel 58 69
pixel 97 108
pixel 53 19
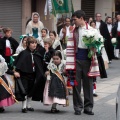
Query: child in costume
pixel 55 88
pixel 55 41
pixel 44 35
pixel 48 52
pixel 6 99
pixel 31 74
pixel 56 44
pixel 22 46
pixel 8 46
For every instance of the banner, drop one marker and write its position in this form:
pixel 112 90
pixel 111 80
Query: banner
pixel 60 6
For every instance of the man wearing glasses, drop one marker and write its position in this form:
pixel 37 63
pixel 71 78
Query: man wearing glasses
pixel 102 27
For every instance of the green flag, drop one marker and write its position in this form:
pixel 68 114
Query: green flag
pixel 60 6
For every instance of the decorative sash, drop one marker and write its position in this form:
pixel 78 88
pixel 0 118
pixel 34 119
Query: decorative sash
pixel 62 80
pixel 7 88
pixel 94 68
pixel 71 61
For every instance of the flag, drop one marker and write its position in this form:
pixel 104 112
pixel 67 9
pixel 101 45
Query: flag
pixel 60 6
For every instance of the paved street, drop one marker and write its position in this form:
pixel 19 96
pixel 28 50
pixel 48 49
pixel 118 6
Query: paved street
pixel 104 107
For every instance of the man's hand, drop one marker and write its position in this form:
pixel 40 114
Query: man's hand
pixel 93 49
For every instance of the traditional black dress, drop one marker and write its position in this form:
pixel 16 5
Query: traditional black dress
pixel 55 90
pixel 30 66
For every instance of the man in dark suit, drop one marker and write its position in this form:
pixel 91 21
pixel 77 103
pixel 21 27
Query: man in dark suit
pixel 102 26
pixel 116 34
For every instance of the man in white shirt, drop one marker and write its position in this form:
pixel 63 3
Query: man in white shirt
pixel 65 32
pixel 82 67
pixel 109 25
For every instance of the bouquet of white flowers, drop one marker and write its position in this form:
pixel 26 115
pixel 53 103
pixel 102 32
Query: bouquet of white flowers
pixel 114 42
pixel 92 40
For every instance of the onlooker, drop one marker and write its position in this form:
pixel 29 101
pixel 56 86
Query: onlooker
pixel 116 34
pixel 105 33
pixel 65 32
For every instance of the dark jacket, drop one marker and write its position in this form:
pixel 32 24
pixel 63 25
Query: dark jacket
pixel 108 44
pixel 23 64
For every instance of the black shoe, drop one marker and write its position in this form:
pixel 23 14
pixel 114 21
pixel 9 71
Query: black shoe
pixel 24 110
pixel 2 109
pixel 77 113
pixel 116 58
pixel 30 109
pixel 54 110
pixel 95 95
pixel 88 112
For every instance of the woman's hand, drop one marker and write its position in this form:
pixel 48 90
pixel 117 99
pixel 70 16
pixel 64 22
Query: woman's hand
pixel 47 73
pixel 17 74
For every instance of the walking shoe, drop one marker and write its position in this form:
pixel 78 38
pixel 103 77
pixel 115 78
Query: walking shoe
pixel 88 112
pixel 54 110
pixel 2 109
pixel 95 95
pixel 77 113
pixel 24 110
pixel 30 109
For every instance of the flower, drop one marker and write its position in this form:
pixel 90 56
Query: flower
pixel 89 33
pixel 92 39
pixel 113 40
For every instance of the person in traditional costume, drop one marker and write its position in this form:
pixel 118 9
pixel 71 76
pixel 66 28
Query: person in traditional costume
pixel 22 45
pixel 44 35
pixel 65 32
pixel 35 26
pixel 105 33
pixel 90 20
pixel 55 88
pixel 8 46
pixel 102 48
pixel 116 34
pixel 56 42
pixel 6 94
pixel 83 65
pixel 48 52
pixel 31 74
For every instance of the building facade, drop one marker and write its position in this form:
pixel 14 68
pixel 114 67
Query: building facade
pixel 15 13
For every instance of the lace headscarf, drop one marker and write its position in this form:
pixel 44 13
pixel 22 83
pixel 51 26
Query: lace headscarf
pixel 35 13
pixel 20 47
